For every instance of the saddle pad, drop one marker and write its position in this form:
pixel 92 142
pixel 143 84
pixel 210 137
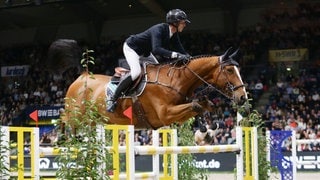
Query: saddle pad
pixel 110 89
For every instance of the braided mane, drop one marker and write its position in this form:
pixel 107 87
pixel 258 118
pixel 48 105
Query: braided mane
pixel 201 56
pixel 180 62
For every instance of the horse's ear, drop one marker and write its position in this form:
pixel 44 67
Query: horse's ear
pixel 234 55
pixel 226 54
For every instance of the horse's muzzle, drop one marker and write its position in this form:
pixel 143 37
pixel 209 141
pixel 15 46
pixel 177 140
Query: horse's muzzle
pixel 242 100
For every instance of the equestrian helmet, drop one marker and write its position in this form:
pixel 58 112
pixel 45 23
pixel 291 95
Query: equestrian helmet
pixel 176 15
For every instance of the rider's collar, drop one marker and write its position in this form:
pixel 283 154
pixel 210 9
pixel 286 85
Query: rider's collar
pixel 170 32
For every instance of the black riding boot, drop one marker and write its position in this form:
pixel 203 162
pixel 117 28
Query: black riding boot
pixel 123 85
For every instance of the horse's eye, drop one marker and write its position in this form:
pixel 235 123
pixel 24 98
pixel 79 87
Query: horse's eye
pixel 230 71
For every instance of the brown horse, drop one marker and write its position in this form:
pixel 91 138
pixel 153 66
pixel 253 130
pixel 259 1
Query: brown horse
pixel 169 91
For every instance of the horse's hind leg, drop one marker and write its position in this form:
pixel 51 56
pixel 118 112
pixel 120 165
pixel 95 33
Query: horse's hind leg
pixel 62 136
pixel 63 128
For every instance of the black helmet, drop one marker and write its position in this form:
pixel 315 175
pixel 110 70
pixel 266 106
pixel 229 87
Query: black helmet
pixel 176 15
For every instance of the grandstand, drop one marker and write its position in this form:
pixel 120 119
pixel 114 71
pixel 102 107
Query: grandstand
pixel 279 42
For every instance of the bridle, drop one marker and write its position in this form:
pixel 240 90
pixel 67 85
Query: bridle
pixel 229 86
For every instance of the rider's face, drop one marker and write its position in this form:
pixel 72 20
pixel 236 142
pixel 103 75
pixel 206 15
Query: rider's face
pixel 182 24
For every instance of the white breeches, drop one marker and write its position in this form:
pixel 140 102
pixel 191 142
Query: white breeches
pixel 132 59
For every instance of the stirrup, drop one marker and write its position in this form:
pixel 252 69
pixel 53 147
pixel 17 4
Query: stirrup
pixel 111 106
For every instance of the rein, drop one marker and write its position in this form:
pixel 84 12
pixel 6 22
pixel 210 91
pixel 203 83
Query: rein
pixel 156 81
pixel 231 87
pixel 210 86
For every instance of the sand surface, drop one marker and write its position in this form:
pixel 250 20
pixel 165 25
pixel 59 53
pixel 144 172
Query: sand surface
pixel 300 176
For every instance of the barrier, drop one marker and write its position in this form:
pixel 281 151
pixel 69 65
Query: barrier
pixel 250 149
pixel 131 151
pixel 169 150
pixel 287 166
pixel 20 132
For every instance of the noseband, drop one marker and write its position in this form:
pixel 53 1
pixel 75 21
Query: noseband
pixel 231 87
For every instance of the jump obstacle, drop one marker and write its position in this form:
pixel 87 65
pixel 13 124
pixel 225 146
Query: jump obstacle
pixel 286 166
pixel 168 150
pixel 251 153
pixel 19 155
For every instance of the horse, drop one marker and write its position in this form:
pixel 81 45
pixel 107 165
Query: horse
pixel 169 93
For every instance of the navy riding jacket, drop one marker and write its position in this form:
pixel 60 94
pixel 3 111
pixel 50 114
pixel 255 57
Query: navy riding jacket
pixel 156 40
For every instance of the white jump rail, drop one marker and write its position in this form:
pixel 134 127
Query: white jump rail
pixel 155 150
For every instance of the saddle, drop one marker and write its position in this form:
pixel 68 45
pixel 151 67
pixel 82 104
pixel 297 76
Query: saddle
pixel 134 91
pixel 138 85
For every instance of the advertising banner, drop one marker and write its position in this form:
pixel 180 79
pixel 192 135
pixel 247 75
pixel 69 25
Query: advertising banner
pixel 211 162
pixel 8 71
pixel 288 55
pixel 45 112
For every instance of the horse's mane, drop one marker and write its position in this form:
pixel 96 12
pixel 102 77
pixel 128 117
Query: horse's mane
pixel 201 56
pixel 223 61
pixel 180 62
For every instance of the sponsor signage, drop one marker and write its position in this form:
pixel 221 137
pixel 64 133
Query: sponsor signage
pixel 210 162
pixel 8 71
pixel 288 55
pixel 216 162
pixel 306 160
pixel 50 112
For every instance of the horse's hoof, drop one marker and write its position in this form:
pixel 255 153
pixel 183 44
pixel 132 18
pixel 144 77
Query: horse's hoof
pixel 197 107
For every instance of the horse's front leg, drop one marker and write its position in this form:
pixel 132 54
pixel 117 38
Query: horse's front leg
pixel 206 104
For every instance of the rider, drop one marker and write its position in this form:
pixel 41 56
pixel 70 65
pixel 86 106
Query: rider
pixel 154 41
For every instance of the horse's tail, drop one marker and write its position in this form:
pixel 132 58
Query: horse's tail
pixel 64 54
